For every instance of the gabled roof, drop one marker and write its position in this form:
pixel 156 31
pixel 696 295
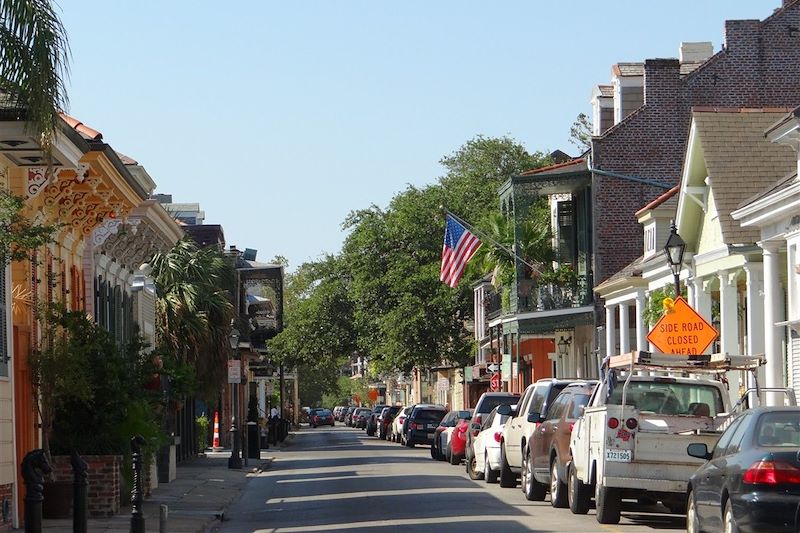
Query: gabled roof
pixel 739 160
pixel 669 197
pixel 775 187
pixel 628 69
pixel 553 168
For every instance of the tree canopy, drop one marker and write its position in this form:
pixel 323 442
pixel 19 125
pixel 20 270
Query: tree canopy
pixel 381 296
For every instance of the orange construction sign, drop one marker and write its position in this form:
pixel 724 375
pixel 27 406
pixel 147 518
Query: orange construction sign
pixel 682 330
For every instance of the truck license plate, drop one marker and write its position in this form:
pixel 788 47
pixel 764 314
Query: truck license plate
pixel 619 456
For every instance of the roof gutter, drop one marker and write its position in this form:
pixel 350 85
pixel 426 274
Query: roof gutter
pixel 626 177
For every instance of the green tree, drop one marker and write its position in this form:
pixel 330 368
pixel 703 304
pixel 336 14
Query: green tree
pixel 580 133
pixel 34 63
pixel 19 233
pixel 193 312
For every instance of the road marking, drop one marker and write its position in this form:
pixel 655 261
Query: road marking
pixel 365 494
pixel 403 522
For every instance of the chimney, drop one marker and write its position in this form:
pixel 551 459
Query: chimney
pixel 696 52
pixel 662 79
pixel 741 34
pixel 602 108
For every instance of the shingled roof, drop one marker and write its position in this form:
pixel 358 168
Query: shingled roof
pixel 740 161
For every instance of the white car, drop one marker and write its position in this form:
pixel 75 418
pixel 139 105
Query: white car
pixel 396 434
pixel 486 461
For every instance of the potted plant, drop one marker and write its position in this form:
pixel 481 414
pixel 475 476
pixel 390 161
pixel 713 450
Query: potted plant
pixel 89 392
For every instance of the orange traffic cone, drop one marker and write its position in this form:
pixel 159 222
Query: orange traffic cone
pixel 215 444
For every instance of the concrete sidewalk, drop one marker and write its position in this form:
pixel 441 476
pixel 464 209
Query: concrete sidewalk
pixel 196 499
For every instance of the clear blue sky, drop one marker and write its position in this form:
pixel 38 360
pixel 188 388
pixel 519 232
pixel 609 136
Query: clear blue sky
pixel 281 117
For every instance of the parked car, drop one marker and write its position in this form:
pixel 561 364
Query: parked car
pixel 532 408
pixel 456 448
pixel 338 413
pixel 751 480
pixel 449 420
pixel 421 424
pixel 485 461
pixel 360 417
pixel 487 402
pixel 348 415
pixel 322 417
pixel 385 420
pixel 398 423
pixel 441 440
pixel 547 455
pixel 372 420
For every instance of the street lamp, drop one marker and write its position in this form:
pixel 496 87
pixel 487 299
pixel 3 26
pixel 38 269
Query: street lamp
pixel 235 460
pixel 675 248
pixel 563 346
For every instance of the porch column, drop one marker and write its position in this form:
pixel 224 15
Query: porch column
pixel 610 332
pixel 624 330
pixel 641 327
pixel 773 312
pixel 729 325
pixel 755 312
pixel 702 297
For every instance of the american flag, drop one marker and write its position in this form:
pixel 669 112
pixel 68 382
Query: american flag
pixel 459 247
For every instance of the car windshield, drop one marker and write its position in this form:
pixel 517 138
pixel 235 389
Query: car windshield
pixel 779 429
pixel 670 398
pixel 490 402
pixel 432 416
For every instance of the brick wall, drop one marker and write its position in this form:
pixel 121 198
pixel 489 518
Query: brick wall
pixel 105 480
pixel 6 496
pixel 759 67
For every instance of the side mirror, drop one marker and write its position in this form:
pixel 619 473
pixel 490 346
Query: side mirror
pixel 699 450
pixel 504 410
pixel 534 418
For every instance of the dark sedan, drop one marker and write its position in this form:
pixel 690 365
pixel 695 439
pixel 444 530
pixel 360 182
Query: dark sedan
pixel 751 481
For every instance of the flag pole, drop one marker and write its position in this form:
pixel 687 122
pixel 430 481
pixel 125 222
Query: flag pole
pixel 492 241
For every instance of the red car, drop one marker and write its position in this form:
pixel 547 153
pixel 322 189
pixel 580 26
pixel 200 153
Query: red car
pixel 322 417
pixel 458 442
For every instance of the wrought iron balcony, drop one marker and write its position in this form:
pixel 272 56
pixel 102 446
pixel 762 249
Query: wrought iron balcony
pixel 534 296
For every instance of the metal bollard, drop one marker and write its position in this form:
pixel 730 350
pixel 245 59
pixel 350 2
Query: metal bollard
pixel 34 467
pixel 80 494
pixel 137 494
pixel 235 460
pixel 163 515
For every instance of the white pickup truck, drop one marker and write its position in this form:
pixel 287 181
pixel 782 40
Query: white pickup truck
pixel 631 440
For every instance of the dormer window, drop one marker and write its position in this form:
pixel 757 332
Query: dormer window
pixel 650 240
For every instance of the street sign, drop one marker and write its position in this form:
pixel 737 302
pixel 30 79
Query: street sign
pixel 494 382
pixel 682 330
pixel 234 371
pixel 492 367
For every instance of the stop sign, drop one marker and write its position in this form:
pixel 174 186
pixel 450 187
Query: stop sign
pixel 494 381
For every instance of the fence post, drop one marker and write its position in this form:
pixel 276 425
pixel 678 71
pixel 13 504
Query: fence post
pixel 137 494
pixel 80 494
pixel 34 467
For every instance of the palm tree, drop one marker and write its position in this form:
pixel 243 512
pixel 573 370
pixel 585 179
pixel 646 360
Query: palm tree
pixel 532 244
pixel 194 309
pixel 34 55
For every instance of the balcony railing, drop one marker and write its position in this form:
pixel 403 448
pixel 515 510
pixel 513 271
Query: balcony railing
pixel 535 296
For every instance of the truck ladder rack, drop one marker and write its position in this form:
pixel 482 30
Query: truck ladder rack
pixel 701 363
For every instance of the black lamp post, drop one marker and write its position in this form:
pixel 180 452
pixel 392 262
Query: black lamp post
pixel 675 248
pixel 235 460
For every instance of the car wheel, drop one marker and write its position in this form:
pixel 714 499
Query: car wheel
pixel 507 477
pixel 558 490
pixel 472 466
pixel 434 455
pixel 609 503
pixel 578 492
pixel 728 521
pixel 488 474
pixel 533 490
pixel 692 520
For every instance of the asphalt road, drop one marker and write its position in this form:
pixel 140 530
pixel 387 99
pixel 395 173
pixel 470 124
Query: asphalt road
pixel 338 479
